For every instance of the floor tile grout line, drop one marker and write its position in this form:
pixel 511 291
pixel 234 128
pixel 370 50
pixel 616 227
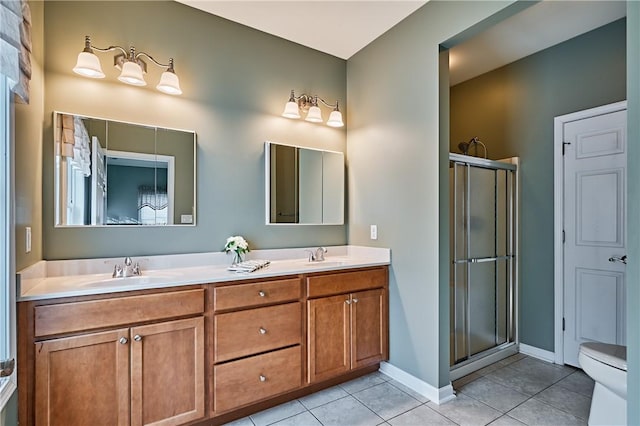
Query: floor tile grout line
pixel 386 420
pixel 542 402
pixel 326 403
pixel 558 408
pixel 438 412
pixel 513 389
pixel 314 416
pixel 405 412
pixel 485 404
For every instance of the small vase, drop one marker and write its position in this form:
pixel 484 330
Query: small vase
pixel 237 258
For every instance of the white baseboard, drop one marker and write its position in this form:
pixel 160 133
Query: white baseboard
pixel 538 353
pixel 439 396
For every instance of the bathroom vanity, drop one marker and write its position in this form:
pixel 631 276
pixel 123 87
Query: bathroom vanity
pixel 198 352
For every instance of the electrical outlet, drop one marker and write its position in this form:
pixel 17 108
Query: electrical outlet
pixel 374 232
pixel 27 240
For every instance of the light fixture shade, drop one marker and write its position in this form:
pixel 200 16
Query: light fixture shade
pixel 335 119
pixel 132 74
pixel 88 65
pixel 314 115
pixel 169 84
pixel 291 110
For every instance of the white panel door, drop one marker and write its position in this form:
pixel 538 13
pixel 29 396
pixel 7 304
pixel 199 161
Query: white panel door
pixel 595 231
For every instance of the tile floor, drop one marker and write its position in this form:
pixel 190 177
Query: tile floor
pixel 518 390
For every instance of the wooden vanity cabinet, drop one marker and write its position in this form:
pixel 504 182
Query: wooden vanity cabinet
pixel 83 380
pixel 348 330
pixel 258 342
pixel 198 355
pixel 141 374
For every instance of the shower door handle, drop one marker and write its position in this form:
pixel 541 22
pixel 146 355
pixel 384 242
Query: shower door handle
pixel 482 259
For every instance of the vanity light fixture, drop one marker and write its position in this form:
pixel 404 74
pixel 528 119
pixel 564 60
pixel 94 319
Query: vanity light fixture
pixel 131 65
pixel 309 104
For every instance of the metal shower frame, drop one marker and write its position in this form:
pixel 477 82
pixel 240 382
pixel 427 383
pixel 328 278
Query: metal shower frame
pixel 512 260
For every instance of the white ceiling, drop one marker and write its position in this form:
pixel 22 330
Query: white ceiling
pixel 342 28
pixel 339 28
pixel 536 28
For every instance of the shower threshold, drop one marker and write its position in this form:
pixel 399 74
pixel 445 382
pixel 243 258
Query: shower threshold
pixel 483 359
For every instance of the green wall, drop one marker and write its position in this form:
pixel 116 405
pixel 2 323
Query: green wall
pixel 393 174
pixel 511 109
pixel 235 82
pixel 28 151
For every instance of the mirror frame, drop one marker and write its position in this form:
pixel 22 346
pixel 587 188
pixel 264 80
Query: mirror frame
pixel 56 174
pixel 267 173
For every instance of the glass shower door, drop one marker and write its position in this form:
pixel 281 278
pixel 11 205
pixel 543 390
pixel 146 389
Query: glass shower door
pixel 482 257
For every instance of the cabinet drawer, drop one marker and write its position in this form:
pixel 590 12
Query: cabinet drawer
pixel 256 294
pixel 251 379
pixel 257 330
pixel 346 282
pixel 80 316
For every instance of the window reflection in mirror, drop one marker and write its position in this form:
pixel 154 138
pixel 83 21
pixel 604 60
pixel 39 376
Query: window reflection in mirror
pixel 115 173
pixel 303 185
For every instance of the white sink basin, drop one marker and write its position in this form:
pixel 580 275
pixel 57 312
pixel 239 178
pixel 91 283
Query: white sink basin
pixel 135 280
pixel 326 263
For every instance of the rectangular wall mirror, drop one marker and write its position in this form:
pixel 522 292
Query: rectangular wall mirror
pixel 115 173
pixel 303 186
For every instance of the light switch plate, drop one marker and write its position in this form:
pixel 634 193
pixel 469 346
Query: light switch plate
pixel 27 244
pixel 374 232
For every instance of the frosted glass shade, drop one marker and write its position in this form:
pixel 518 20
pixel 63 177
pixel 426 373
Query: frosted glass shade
pixel 169 84
pixel 291 110
pixel 335 119
pixel 132 74
pixel 88 65
pixel 314 115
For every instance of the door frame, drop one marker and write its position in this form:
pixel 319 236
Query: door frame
pixel 558 214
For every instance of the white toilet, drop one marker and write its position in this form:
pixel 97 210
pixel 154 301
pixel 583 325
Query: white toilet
pixel 607 366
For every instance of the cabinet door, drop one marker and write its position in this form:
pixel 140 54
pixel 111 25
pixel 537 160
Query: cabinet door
pixel 368 328
pixel 83 380
pixel 328 337
pixel 167 372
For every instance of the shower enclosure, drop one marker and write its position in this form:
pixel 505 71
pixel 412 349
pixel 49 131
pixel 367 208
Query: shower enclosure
pixel 483 200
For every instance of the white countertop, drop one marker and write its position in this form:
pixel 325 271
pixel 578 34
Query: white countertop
pixel 64 278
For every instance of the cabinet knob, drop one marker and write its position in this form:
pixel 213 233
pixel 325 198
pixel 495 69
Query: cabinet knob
pixel 355 300
pixel 137 337
pixel 263 330
pixel 123 340
pixel 263 378
pixel 348 302
pixel 262 293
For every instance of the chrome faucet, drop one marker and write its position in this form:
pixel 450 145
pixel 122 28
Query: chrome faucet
pixel 318 255
pixel 128 270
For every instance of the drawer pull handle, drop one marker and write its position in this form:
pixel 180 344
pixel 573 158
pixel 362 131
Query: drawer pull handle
pixel 263 378
pixel 355 300
pixel 263 330
pixel 137 337
pixel 348 302
pixel 262 293
pixel 123 340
